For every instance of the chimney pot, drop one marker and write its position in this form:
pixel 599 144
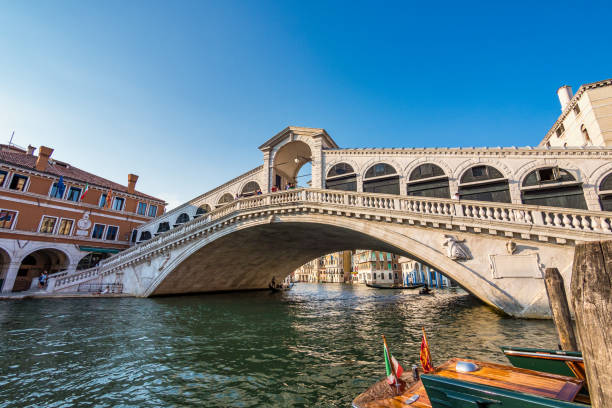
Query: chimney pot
pixel 132 179
pixel 44 153
pixel 31 150
pixel 565 95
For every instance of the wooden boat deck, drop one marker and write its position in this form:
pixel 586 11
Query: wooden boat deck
pixel 495 375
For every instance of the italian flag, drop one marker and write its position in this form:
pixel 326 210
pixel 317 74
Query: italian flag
pixel 84 192
pixel 394 369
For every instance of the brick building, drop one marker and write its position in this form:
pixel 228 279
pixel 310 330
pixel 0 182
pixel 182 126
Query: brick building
pixel 54 216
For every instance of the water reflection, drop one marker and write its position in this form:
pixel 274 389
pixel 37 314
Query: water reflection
pixel 318 345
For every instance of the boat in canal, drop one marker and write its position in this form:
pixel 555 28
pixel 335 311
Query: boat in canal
pixel 282 287
pixel 375 286
pixel 466 383
pixel 568 363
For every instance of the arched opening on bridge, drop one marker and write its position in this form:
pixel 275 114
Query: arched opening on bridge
pixel 203 209
pixel 553 187
pixel 341 176
pixel 225 198
pixel 5 260
pixel 32 266
pixel 484 183
pixel 605 193
pixel 428 180
pixel 145 235
pixel 181 219
pixel 381 178
pixel 250 257
pixel 92 259
pixel 163 227
pixel 287 163
pixel 249 189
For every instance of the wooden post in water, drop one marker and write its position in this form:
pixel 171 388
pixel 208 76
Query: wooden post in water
pixel 560 309
pixel 592 302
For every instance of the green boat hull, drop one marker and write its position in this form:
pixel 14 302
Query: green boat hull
pixel 446 392
pixel 548 361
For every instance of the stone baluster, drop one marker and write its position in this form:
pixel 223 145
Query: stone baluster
pixel 604 225
pixel 548 220
pixel 468 211
pixel 557 220
pixel 586 225
pixel 481 212
pixel 528 218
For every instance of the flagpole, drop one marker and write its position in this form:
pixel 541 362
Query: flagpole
pixel 397 380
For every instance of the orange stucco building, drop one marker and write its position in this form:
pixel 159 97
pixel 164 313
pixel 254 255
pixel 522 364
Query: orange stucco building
pixel 54 216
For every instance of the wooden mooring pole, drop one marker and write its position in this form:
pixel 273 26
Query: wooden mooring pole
pixel 560 309
pixel 592 301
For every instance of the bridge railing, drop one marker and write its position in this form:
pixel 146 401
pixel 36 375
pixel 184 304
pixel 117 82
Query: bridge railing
pixel 476 212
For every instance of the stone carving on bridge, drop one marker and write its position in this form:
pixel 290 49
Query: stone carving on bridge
pixel 456 249
pixel 511 247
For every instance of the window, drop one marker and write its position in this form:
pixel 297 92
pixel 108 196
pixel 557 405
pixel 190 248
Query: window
pixel 65 227
pixel 384 179
pixel 560 130
pixel 585 134
pixel 152 210
pixel 47 226
pixel 111 233
pixel 142 208
pixel 553 187
pixel 374 274
pixel 576 109
pixel 7 218
pixel 134 235
pixel 484 183
pixel 203 209
pixel 341 177
pixel 98 231
pixel 3 175
pixel 55 191
pixel 390 276
pixel 102 202
pixel 74 194
pixel 118 203
pixel 145 235
pixel 18 182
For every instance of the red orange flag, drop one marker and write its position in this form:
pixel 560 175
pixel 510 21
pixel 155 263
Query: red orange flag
pixel 425 355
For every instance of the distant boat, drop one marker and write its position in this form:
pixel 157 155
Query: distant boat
pixel 425 291
pixel 281 288
pixel 373 285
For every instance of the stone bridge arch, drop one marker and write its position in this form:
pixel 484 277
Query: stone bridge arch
pixel 227 260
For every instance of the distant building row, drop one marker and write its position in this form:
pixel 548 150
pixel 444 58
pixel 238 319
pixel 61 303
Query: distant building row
pixel 367 266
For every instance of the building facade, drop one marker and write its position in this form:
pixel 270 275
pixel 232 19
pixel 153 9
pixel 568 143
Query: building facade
pixel 414 273
pixel 309 272
pixel 585 118
pixel 376 267
pixel 56 217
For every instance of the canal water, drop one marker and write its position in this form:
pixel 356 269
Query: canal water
pixel 318 345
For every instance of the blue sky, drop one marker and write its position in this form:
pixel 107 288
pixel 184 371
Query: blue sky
pixel 182 93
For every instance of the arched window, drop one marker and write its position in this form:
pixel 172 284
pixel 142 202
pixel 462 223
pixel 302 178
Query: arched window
pixel 203 209
pixel 250 188
pixel 553 187
pixel 145 235
pixel 341 177
pixel 484 183
pixel 605 193
pixel 181 219
pixel 585 135
pixel 381 178
pixel 163 227
pixel 428 180
pixel 225 198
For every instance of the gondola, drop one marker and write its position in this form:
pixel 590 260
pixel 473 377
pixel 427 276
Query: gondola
pixel 425 291
pixel 280 288
pixel 372 285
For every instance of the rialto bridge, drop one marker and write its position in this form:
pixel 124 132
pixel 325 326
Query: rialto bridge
pixel 490 218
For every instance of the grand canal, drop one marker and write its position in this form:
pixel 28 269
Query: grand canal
pixel 318 345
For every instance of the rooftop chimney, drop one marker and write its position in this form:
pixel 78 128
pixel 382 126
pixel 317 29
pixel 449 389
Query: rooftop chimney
pixel 565 95
pixel 44 153
pixel 132 179
pixel 31 150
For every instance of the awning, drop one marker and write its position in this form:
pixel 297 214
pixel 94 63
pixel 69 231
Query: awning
pixel 100 250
